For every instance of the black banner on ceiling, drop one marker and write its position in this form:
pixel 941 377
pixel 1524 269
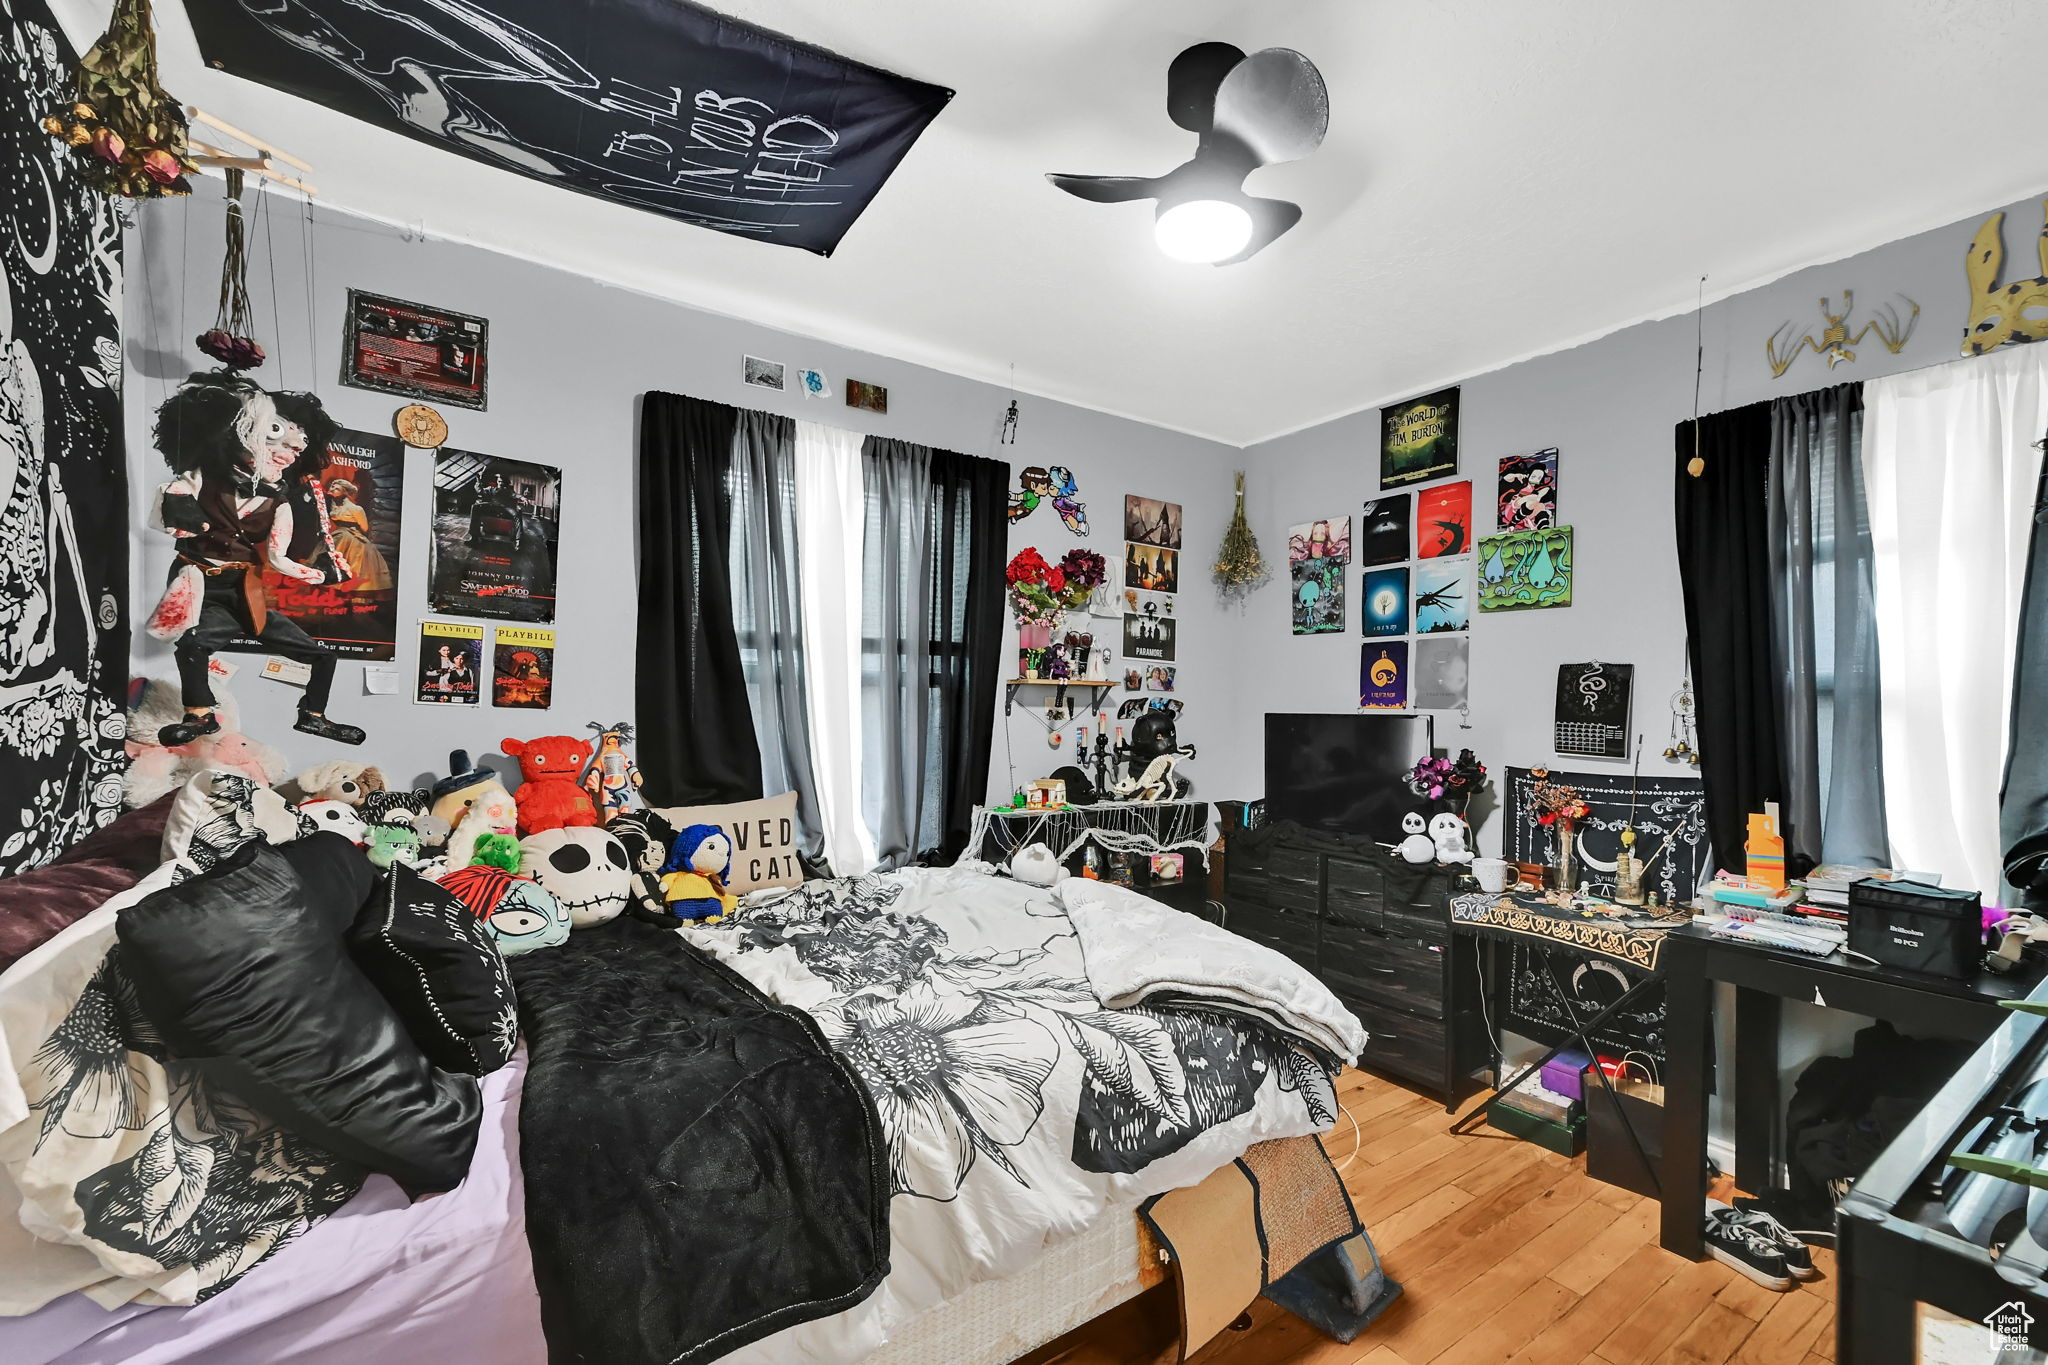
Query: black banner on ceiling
pixel 659 104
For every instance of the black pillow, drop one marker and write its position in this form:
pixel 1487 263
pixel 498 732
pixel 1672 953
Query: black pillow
pixel 435 962
pixel 243 968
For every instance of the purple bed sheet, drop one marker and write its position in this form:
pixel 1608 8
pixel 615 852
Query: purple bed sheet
pixel 445 1281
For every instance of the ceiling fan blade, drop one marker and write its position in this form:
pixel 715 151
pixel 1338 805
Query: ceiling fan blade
pixel 1275 104
pixel 1107 189
pixel 1270 218
pixel 1192 80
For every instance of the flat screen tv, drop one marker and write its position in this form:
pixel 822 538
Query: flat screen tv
pixel 1341 774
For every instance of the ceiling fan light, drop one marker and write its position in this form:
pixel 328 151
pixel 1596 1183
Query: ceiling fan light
pixel 1203 231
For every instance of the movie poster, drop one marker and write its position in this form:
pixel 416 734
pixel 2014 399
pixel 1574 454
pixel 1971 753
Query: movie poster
pixel 1383 675
pixel 1443 671
pixel 522 667
pixel 1519 570
pixel 1443 520
pixel 1329 538
pixel 1385 597
pixel 363 483
pixel 1151 521
pixel 1383 532
pixel 1151 568
pixel 1318 586
pixel 1528 491
pixel 1443 596
pixel 451 664
pixel 414 351
pixel 1150 637
pixel 496 533
pixel 1419 439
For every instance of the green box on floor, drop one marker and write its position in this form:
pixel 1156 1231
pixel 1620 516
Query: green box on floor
pixel 1565 1140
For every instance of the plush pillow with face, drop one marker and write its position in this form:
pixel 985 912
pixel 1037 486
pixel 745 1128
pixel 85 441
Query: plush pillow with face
pixel 519 914
pixel 586 870
pixel 337 817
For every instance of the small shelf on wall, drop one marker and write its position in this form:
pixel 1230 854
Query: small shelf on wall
pixel 1098 689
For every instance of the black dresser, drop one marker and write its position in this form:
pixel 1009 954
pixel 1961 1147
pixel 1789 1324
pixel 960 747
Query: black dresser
pixel 1374 928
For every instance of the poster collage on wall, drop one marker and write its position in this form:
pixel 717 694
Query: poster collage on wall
pixel 1150 580
pixel 1424 567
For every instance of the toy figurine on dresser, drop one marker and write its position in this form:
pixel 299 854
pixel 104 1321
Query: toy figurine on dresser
pixel 1150 762
pixel 237 453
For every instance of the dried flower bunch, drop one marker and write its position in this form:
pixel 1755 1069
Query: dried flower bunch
pixel 1554 803
pixel 1239 569
pixel 130 136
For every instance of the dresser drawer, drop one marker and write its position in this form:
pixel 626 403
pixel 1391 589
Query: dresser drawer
pixel 1361 879
pixel 1429 923
pixel 1401 973
pixel 1292 933
pixel 1401 1043
pixel 1275 888
pixel 1341 905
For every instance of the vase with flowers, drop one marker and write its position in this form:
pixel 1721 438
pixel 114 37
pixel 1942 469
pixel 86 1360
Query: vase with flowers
pixel 1558 808
pixel 1041 595
pixel 1450 784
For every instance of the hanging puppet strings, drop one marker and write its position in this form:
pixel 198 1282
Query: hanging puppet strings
pixel 229 341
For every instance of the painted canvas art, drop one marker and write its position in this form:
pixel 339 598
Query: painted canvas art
pixel 1329 538
pixel 1519 570
pixel 1383 532
pixel 1443 671
pixel 1151 568
pixel 1443 596
pixel 1383 675
pixel 1527 496
pixel 1443 520
pixel 1385 598
pixel 1419 439
pixel 1318 596
pixel 1151 521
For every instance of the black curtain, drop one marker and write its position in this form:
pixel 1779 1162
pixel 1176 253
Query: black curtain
pixel 969 553
pixel 696 739
pixel 2023 798
pixel 1724 567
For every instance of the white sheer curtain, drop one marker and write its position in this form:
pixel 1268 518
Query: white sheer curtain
pixel 1949 469
pixel 830 521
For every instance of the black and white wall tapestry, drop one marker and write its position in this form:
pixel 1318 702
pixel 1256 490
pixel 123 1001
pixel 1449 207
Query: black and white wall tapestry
pixel 63 477
pixel 671 108
pixel 1668 814
pixel 1592 714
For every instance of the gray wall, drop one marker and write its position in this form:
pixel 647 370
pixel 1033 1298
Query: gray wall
pixel 1609 406
pixel 569 359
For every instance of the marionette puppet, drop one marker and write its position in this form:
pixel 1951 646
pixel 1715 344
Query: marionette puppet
pixel 241 458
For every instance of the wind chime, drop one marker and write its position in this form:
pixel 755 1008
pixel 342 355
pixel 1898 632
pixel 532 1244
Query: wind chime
pixel 1684 738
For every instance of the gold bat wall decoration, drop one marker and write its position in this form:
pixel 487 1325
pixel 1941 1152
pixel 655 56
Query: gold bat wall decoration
pixel 1835 342
pixel 2018 311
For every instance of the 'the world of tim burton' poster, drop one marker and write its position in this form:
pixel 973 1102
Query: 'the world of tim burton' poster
pixel 355 610
pixel 1419 439
pixel 1384 602
pixel 523 667
pixel 1443 520
pixel 451 664
pixel 1519 570
pixel 1383 675
pixel 496 531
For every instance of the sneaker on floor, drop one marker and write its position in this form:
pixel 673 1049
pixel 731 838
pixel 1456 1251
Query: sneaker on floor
pixel 1738 1245
pixel 189 729
pixel 328 729
pixel 1798 1256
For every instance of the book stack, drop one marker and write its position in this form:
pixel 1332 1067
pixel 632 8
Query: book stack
pixel 1826 893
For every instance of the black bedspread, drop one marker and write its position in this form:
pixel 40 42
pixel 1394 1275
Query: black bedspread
pixel 701 1169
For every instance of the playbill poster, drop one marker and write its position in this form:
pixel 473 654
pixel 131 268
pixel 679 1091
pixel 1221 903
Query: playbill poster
pixel 451 664
pixel 522 667
pixel 496 530
pixel 355 610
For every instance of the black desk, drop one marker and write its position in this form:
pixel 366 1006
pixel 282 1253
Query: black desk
pixel 1694 960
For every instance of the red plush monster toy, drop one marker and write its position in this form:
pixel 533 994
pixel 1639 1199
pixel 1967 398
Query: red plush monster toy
pixel 549 797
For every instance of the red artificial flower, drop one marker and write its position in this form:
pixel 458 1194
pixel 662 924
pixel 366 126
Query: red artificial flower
pixel 1056 580
pixel 1547 818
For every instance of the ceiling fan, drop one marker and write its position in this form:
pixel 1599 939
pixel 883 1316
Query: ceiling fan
pixel 1248 112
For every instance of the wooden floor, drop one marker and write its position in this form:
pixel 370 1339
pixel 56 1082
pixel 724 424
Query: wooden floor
pixel 1510 1253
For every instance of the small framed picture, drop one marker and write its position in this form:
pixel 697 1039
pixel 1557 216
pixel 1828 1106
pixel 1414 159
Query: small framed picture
pixel 813 383
pixel 861 394
pixel 763 374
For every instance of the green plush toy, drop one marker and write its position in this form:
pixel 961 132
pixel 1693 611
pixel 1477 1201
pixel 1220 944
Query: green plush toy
pixel 496 850
pixel 387 844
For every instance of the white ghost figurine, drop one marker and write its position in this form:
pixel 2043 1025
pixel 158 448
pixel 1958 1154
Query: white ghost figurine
pixel 585 869
pixel 1447 832
pixel 1036 864
pixel 338 817
pixel 1416 848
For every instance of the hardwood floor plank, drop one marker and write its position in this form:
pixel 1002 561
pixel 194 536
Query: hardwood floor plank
pixel 1593 1315
pixel 1391 1234
pixel 1649 1331
pixel 1749 1298
pixel 1608 1248
pixel 1714 1335
pixel 1523 1317
pixel 1788 1331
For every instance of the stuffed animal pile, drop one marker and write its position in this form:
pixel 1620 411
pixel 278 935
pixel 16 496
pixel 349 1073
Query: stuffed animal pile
pixel 154 769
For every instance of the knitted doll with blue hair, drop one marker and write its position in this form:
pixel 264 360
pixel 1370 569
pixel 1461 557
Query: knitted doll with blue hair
pixel 693 878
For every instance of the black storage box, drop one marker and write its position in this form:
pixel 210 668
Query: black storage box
pixel 1921 928
pixel 1612 1110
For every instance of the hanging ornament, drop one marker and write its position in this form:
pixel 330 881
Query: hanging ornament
pixel 129 136
pixel 420 427
pixel 1009 433
pixel 1683 745
pixel 229 341
pixel 1240 569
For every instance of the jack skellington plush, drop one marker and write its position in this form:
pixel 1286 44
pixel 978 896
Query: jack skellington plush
pixel 241 456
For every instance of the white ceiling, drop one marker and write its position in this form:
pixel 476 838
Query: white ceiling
pixel 1500 180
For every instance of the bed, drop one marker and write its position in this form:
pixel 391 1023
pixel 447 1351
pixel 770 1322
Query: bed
pixel 1020 1122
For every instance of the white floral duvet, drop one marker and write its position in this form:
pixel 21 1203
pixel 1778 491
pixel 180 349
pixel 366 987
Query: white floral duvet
pixel 1019 1110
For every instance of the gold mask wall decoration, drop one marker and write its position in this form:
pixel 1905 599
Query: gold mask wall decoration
pixel 1834 342
pixel 2015 313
